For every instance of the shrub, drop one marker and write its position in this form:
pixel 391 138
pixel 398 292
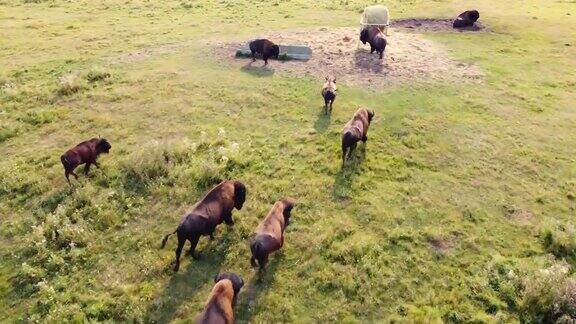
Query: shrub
pixel 97 74
pixel 561 242
pixel 70 84
pixel 549 295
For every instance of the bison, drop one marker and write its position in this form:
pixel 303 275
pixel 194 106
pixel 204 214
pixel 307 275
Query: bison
pixel 216 207
pixel 220 305
pixel 466 19
pixel 355 130
pixel 84 153
pixel 270 232
pixel 265 48
pixel 329 93
pixel 375 37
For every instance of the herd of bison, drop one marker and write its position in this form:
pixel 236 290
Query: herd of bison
pixel 217 205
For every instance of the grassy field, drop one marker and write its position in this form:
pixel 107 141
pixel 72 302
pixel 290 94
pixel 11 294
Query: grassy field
pixel 460 208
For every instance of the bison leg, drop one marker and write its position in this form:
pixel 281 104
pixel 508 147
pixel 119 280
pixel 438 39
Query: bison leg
pixel 86 168
pixel 364 139
pixel 181 241
pixel 194 242
pixel 372 49
pixel 67 174
pixel 253 56
pixel 331 102
pixel 262 261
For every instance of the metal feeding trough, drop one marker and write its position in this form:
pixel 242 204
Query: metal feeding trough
pixel 287 52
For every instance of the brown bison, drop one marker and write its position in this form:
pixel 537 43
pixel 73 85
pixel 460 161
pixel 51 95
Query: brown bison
pixel 355 130
pixel 216 207
pixel 270 232
pixel 375 37
pixel 220 305
pixel 329 93
pixel 466 19
pixel 265 48
pixel 84 153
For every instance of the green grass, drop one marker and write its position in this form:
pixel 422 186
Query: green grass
pixel 422 228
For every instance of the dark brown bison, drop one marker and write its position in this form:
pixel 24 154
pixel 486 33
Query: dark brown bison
pixel 329 93
pixel 265 48
pixel 355 130
pixel 270 232
pixel 216 207
pixel 220 305
pixel 375 37
pixel 466 19
pixel 84 153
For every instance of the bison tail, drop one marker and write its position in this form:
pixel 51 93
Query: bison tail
pixel 166 239
pixel 347 141
pixel 256 248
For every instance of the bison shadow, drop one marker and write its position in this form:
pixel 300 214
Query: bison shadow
pixel 344 179
pixel 193 275
pixel 247 305
pixel 367 62
pixel 322 121
pixel 257 70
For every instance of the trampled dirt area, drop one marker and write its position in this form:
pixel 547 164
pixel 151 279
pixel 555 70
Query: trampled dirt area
pixel 409 57
pixel 434 25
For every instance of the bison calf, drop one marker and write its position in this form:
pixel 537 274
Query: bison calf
pixel 375 37
pixel 220 305
pixel 270 232
pixel 329 93
pixel 216 207
pixel 265 48
pixel 466 19
pixel 84 153
pixel 355 130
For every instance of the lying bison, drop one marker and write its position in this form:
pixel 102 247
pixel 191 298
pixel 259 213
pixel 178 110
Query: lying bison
pixel 265 48
pixel 216 207
pixel 375 37
pixel 329 93
pixel 270 232
pixel 84 153
pixel 220 305
pixel 466 19
pixel 355 130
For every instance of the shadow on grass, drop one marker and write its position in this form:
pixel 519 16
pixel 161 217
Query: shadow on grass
pixel 322 121
pixel 247 305
pixel 257 70
pixel 192 276
pixel 368 62
pixel 345 178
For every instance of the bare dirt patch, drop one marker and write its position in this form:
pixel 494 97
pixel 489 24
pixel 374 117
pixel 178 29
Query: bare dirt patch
pixel 409 57
pixel 434 25
pixel 519 215
pixel 440 245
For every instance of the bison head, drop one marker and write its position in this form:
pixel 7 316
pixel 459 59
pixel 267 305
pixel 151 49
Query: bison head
pixel 370 115
pixel 239 194
pixel 364 36
pixel 103 146
pixel 289 203
pixel 237 282
pixel 275 51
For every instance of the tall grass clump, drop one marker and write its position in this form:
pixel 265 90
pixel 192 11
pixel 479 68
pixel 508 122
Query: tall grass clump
pixel 182 162
pixel 97 74
pixel 70 84
pixel 561 242
pixel 549 295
